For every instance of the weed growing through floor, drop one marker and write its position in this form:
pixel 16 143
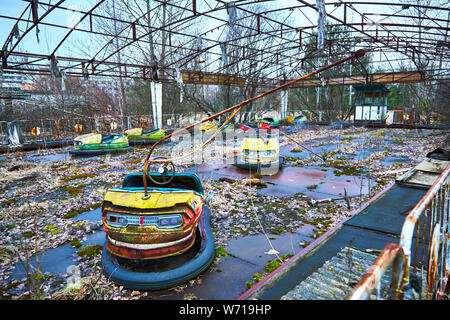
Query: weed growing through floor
pixel 90 251
pixel 268 268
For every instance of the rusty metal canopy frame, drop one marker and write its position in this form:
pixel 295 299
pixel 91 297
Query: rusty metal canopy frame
pixel 223 42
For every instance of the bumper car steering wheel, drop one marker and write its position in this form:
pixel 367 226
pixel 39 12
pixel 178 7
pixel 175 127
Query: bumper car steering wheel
pixel 166 170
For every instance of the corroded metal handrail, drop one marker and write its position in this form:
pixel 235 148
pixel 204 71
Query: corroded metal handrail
pixel 430 249
pixel 392 255
pixel 434 213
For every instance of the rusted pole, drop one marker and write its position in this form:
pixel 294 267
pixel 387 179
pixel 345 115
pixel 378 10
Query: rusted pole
pixel 322 158
pixel 358 54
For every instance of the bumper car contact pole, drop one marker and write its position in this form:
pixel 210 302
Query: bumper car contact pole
pixel 322 158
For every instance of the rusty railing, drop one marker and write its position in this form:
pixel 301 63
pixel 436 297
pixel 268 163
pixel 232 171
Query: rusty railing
pixel 422 253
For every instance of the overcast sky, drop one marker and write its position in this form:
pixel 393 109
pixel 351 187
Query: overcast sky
pixel 49 37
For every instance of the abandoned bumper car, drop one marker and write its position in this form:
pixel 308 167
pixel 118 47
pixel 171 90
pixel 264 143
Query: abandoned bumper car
pixel 273 122
pixel 93 144
pixel 260 152
pixel 253 125
pixel 138 136
pixel 158 235
pixel 210 128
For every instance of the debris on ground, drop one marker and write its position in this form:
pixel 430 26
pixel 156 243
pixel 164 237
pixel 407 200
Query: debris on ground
pixel 39 199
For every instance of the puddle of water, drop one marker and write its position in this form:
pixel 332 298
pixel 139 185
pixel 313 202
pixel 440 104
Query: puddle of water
pixel 40 158
pixel 315 182
pixel 49 157
pixel 214 171
pixel 246 256
pixel 253 248
pixel 322 182
pixel 389 161
pixel 286 150
pixel 57 260
pixel 93 215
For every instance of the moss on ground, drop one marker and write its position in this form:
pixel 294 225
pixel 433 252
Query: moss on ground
pixel 268 268
pixel 76 212
pixel 78 176
pixel 90 251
